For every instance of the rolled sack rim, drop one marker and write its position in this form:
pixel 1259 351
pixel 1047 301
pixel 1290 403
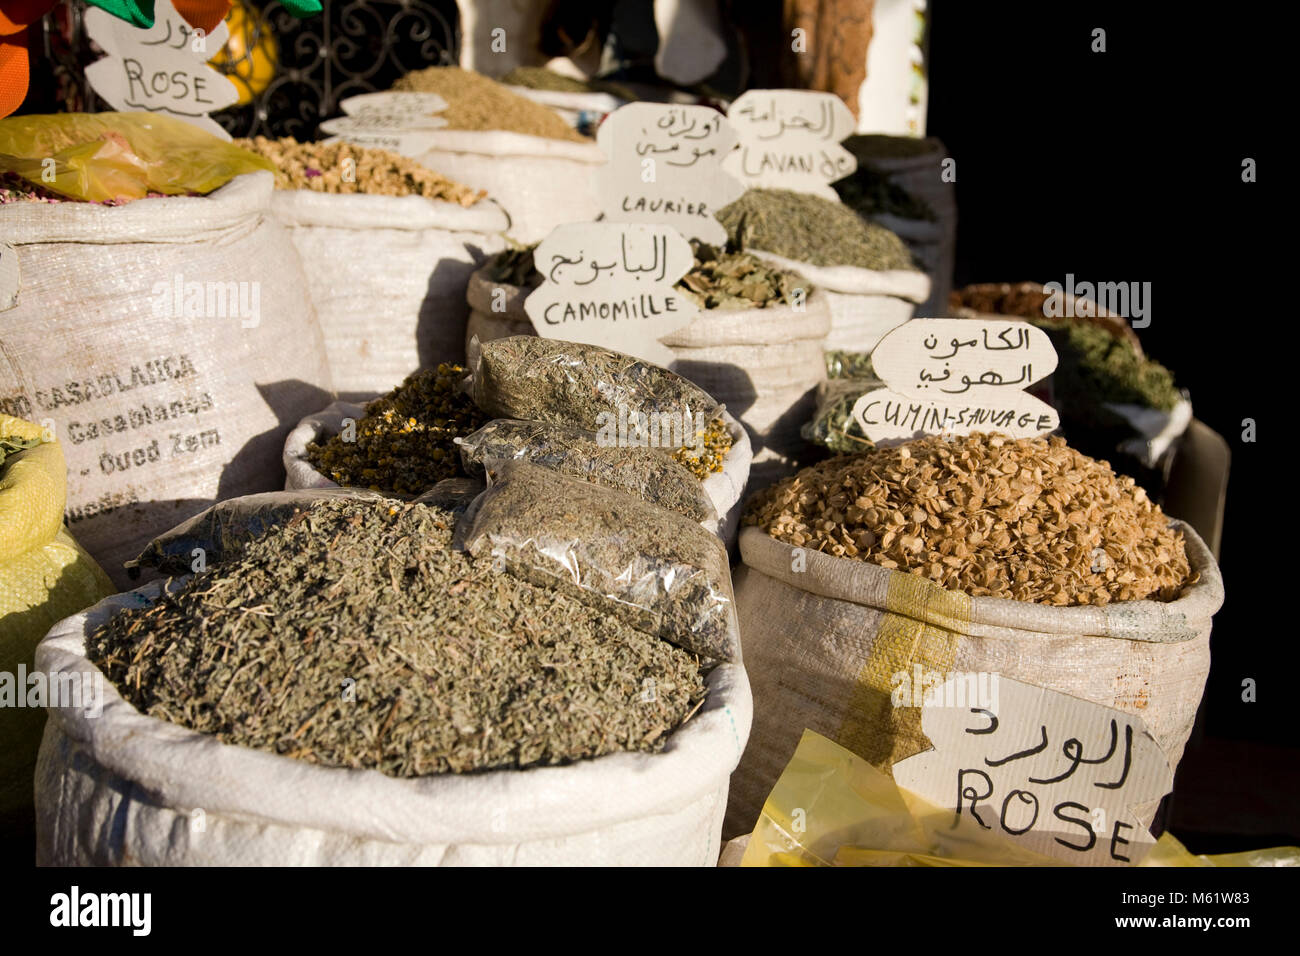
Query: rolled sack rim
pixel 239 204
pixel 867 584
pixel 910 284
pixel 503 144
pixel 185 770
pixel 305 207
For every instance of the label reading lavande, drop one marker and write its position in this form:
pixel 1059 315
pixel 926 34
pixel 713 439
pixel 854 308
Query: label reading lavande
pixel 790 139
pixel 957 376
pixel 612 284
pixel 1055 774
pixel 162 69
pixel 665 165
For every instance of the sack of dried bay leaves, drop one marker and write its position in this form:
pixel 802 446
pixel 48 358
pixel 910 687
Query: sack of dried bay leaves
pixel 659 571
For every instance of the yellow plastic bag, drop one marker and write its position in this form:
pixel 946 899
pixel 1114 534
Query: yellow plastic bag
pixel 103 156
pixel 832 808
pixel 45 576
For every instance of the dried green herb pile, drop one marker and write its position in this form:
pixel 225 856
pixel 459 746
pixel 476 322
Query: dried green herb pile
pixel 348 168
pixel 870 192
pixel 737 280
pixel 457 667
pixel 1029 519
pixel 477 102
pixel 405 442
pixel 807 228
pixel 1096 366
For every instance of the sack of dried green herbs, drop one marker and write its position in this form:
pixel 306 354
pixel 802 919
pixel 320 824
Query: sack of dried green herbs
pixel 865 270
pixel 387 246
pixel 306 741
pixel 981 554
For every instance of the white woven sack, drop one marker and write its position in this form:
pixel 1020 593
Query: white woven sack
pixel 540 182
pixel 580 110
pixel 127 789
pixel 387 275
pixel 823 636
pixel 763 364
pixel 725 488
pixel 159 414
pixel 865 304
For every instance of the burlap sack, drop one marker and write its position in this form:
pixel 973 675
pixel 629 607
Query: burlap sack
pixel 540 182
pixel 865 304
pixel 725 488
pixel 822 646
pixel 159 412
pixel 496 310
pixel 387 276
pixel 124 788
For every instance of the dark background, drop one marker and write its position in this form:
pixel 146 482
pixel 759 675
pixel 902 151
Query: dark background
pixel 1126 166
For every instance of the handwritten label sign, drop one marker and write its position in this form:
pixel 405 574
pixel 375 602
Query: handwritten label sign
pixel 958 376
pixel 790 139
pixel 665 165
pixel 1054 773
pixel 611 284
pixel 10 280
pixel 952 356
pixel 160 70
pixel 399 122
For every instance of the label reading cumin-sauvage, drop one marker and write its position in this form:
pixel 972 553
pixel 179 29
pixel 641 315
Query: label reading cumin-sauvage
pixel 958 376
pixel 612 284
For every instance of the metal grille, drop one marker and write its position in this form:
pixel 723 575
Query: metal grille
pixel 351 47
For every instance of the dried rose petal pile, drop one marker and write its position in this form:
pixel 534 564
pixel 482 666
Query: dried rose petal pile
pixel 1029 519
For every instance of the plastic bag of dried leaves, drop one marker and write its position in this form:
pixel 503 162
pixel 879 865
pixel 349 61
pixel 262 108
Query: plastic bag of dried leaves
pixel 1029 519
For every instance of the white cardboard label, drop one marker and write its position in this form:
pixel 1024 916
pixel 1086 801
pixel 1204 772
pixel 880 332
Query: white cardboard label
pixel 790 139
pixel 389 111
pixel 941 358
pixel 611 284
pixel 160 70
pixel 665 165
pixel 1053 773
pixel 957 376
pixel 412 145
pixel 10 280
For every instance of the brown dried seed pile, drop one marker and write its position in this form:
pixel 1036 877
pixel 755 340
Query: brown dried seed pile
pixel 478 102
pixel 1029 519
pixel 323 168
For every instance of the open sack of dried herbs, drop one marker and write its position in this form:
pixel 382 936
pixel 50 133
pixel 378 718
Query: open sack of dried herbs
pixel 431 428
pixel 756 346
pixel 980 554
pixel 339 684
pixel 387 245
pixel 865 270
pixel 170 339
pixel 521 152
pixel 1114 401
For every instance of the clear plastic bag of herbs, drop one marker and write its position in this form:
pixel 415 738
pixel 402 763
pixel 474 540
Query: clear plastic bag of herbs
pixel 649 473
pixel 657 570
